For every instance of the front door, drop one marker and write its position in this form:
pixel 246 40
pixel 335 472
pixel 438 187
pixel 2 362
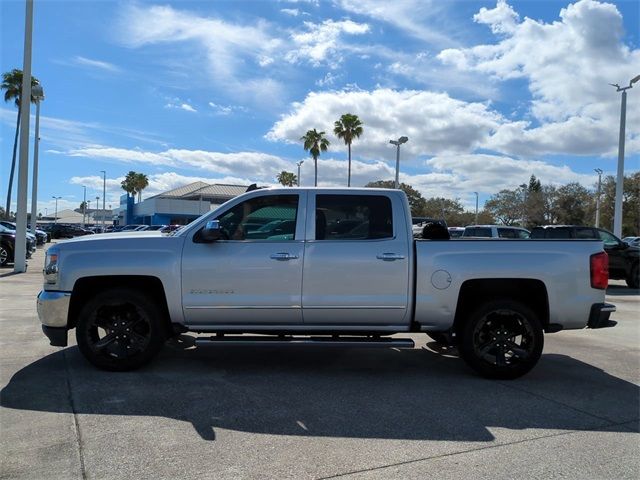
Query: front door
pixel 356 269
pixel 254 274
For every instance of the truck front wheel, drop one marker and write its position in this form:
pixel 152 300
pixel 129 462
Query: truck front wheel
pixel 119 330
pixel 502 339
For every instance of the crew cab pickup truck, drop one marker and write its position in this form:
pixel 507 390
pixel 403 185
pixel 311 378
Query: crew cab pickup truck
pixel 342 268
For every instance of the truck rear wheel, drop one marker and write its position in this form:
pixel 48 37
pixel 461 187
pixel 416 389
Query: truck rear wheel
pixel 502 339
pixel 119 330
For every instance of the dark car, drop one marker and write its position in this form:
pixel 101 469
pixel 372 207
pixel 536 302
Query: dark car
pixel 623 258
pixel 40 237
pixel 59 230
pixel 8 245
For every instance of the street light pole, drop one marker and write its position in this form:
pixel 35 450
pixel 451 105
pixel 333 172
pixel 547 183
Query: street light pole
pixel 97 209
pixel 55 216
pixel 476 207
pixel 38 93
pixel 599 172
pixel 104 191
pixel 84 206
pixel 299 164
pixel 397 143
pixel 617 213
pixel 20 252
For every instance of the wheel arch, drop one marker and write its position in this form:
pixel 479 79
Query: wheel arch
pixel 530 292
pixel 151 286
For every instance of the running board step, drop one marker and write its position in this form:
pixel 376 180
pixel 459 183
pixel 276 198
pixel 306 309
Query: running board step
pixel 283 341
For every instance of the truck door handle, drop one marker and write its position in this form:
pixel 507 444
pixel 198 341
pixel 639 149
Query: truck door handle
pixel 389 257
pixel 283 256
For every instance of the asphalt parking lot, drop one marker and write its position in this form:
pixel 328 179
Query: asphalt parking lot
pixel 298 413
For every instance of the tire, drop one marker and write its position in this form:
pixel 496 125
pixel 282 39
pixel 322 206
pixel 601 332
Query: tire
pixel 502 339
pixel 633 280
pixel 6 255
pixel 120 330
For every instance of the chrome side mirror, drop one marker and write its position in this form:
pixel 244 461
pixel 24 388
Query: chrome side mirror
pixel 211 232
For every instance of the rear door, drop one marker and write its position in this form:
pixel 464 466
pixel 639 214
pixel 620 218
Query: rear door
pixel 357 257
pixel 616 251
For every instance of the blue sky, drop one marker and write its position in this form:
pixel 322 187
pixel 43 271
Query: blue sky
pixel 487 92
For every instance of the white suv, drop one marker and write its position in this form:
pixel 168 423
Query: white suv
pixel 495 231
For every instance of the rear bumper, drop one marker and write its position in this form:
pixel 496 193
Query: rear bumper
pixel 599 316
pixel 57 335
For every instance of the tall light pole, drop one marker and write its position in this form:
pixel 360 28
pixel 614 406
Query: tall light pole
pixel 20 252
pixel 299 164
pixel 55 216
pixel 104 192
pixel 97 209
pixel 397 143
pixel 84 206
pixel 38 94
pixel 599 172
pixel 476 207
pixel 523 186
pixel 617 213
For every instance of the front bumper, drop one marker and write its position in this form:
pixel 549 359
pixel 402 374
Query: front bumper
pixel 599 316
pixel 53 308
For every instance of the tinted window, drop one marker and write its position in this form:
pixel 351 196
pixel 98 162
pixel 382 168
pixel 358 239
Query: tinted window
pixel 584 233
pixel 507 233
pixel 353 217
pixel 270 217
pixel 477 232
pixel 607 238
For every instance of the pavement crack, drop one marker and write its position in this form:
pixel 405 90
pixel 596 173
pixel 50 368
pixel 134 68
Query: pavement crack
pixel 452 454
pixel 76 425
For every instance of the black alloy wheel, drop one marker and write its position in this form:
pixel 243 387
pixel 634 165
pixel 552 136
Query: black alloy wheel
pixel 503 339
pixel 5 255
pixel 119 330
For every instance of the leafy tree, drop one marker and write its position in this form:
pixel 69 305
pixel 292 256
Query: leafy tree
pixel 12 85
pixel 347 128
pixel 315 142
pixel 287 179
pixel 416 200
pixel 83 206
pixel 129 183
pixel 141 182
pixel 505 206
pixel 630 204
pixel 573 205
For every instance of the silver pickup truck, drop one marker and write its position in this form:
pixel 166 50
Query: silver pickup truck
pixel 321 267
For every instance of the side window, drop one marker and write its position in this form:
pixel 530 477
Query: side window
pixel 270 217
pixel 608 239
pixel 478 232
pixel 584 233
pixel 507 233
pixel 353 217
pixel 558 233
pixel 522 234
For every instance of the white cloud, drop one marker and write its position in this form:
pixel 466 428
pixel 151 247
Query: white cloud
pixel 99 64
pixel 294 12
pixel 502 19
pixel 322 43
pixel 434 122
pixel 568 64
pixel 226 109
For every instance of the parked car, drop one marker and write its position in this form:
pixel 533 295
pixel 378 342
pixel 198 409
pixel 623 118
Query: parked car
pixel 623 257
pixel 633 241
pixel 418 223
pixel 60 230
pixel 127 294
pixel 495 231
pixel 153 228
pixel 455 232
pixel 40 237
pixel 8 245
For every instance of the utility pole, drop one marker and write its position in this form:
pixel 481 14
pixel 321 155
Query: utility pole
pixel 84 206
pixel 617 214
pixel 20 252
pixel 476 207
pixel 397 143
pixel 97 210
pixel 599 172
pixel 299 164
pixel 38 93
pixel 104 192
pixel 55 217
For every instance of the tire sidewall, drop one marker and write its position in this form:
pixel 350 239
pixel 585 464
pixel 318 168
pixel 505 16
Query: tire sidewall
pixel 110 297
pixel 484 368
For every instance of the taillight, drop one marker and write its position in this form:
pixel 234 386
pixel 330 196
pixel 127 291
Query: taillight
pixel 599 263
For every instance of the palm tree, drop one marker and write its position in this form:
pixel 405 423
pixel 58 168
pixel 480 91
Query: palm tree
pixel 348 127
pixel 129 183
pixel 287 179
pixel 141 182
pixel 314 143
pixel 12 84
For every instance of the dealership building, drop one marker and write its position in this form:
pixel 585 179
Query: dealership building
pixel 175 207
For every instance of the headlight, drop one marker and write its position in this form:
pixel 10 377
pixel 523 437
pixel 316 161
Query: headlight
pixel 51 267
